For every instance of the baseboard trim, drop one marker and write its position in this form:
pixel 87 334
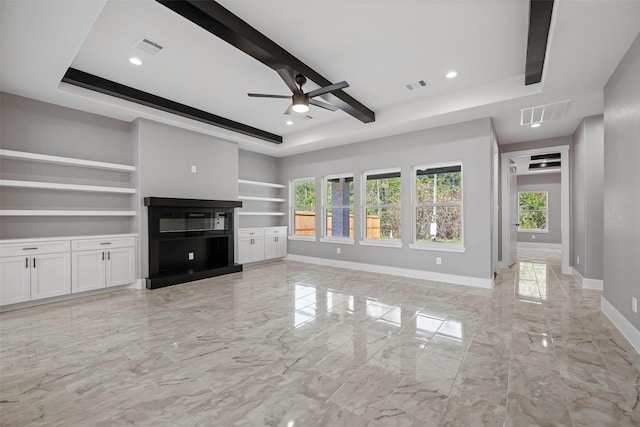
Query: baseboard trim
pixel 624 326
pixel 586 283
pixel 138 284
pixel 539 245
pixel 395 271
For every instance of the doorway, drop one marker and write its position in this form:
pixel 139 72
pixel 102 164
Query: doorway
pixel 510 212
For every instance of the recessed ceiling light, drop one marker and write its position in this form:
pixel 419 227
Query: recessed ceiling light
pixel 135 61
pixel 535 125
pixel 452 74
pixel 289 122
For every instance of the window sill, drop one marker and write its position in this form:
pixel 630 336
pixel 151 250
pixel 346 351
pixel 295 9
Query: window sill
pixel 303 238
pixel 381 243
pixel 437 248
pixel 533 231
pixel 338 240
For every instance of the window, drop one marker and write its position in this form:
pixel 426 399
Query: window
pixel 532 208
pixel 382 205
pixel 303 207
pixel 438 204
pixel 338 207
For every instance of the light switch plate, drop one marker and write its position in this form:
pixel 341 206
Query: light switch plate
pixel 194 169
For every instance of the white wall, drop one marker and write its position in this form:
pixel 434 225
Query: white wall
pixel 622 186
pixel 468 142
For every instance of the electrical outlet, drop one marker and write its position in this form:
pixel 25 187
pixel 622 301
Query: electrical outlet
pixel 533 237
pixel 578 260
pixel 634 304
pixel 191 256
pixel 194 169
pixel 438 260
pixel 338 251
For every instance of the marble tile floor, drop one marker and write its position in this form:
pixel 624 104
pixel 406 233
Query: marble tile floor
pixel 292 344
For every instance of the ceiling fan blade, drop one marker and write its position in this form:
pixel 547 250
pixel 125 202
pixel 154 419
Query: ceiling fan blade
pixel 289 110
pixel 289 80
pixel 327 89
pixel 323 105
pixel 265 95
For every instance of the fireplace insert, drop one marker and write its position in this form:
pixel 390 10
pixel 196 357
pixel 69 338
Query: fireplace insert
pixel 189 239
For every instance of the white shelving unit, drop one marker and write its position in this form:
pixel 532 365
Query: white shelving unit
pixel 45 185
pixel 261 198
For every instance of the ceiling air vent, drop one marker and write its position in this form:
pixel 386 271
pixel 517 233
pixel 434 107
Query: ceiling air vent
pixel 149 46
pixel 305 118
pixel 544 113
pixel 417 85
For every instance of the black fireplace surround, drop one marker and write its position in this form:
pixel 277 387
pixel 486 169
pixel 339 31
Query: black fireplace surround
pixel 189 239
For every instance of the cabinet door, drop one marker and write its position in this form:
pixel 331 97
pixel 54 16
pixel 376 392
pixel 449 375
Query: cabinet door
pixel 15 279
pixel 281 247
pixel 244 250
pixel 121 266
pixel 50 275
pixel 257 249
pixel 270 243
pixel 88 270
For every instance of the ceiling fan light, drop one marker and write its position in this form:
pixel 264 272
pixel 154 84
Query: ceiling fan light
pixel 300 108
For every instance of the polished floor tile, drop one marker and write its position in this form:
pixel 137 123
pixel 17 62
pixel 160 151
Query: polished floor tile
pixel 292 344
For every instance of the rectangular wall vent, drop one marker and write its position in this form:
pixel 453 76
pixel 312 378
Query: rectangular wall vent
pixel 544 113
pixel 417 85
pixel 149 46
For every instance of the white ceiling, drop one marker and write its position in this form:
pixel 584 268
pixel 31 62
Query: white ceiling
pixel 377 46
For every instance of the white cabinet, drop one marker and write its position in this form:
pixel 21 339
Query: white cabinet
pixel 33 270
pixel 259 244
pixel 100 263
pixel 250 245
pixel 275 242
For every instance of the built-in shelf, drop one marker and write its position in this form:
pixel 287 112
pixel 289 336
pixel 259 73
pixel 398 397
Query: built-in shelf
pixel 262 199
pixel 261 213
pixel 36 212
pixel 45 158
pixel 260 183
pixel 59 186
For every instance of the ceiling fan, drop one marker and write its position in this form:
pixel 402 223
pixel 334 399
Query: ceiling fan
pixel 300 100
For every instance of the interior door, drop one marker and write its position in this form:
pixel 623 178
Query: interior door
pixel 513 214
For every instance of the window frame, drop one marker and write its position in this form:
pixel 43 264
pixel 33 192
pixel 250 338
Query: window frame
pixel 436 246
pixel 324 207
pixel 546 207
pixel 292 208
pixel 393 243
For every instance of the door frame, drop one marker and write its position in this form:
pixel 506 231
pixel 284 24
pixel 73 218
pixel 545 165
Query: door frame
pixel 564 203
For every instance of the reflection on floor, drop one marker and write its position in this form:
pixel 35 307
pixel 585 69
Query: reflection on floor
pixel 292 344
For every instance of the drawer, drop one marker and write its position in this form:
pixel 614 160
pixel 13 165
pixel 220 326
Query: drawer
pixel 34 248
pixel 275 231
pixel 91 244
pixel 250 232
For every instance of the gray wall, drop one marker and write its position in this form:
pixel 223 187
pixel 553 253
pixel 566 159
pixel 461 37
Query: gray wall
pixel 621 182
pixel 549 182
pixel 38 127
pixel 468 142
pixel 260 167
pixel 165 156
pixel 587 194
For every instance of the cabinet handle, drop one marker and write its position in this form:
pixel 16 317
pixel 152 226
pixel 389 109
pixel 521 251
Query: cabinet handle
pixel 34 263
pixel 29 249
pixel 103 255
pixel 26 262
pixel 109 255
pixel 105 243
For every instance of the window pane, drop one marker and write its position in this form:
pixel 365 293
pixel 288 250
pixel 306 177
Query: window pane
pixel 305 192
pixel 443 187
pixel 339 222
pixel 439 224
pixel 383 223
pixel 533 201
pixel 340 191
pixel 384 191
pixel 304 223
pixel 533 220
